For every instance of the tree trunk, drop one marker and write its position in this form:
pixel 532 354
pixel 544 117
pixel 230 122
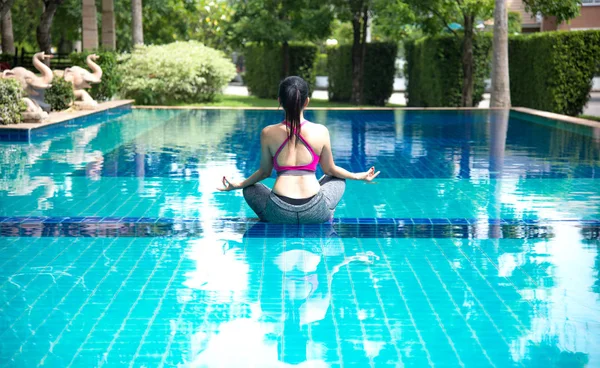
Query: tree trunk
pixel 136 23
pixel 500 96
pixel 43 29
pixel 285 49
pixel 5 6
pixel 356 96
pixel 363 53
pixel 467 61
pixel 109 40
pixel 8 41
pixel 90 24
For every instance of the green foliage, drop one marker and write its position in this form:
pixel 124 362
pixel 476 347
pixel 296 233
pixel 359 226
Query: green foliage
pixel 277 21
pixel 339 70
pixel 392 20
pixel 380 68
pixel 264 67
pixel 11 102
pixel 111 75
pixel 437 15
pixel 341 31
pixel 553 71
pixel 514 22
pixel 25 18
pixel 563 10
pixel 60 95
pixel 180 72
pixel 321 64
pixel 263 70
pixel 434 71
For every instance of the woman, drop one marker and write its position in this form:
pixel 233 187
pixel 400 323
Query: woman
pixel 294 147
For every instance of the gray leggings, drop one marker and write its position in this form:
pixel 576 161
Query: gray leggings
pixel 319 209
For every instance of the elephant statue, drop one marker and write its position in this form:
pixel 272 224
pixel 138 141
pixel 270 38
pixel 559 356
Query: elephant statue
pixel 82 79
pixel 34 86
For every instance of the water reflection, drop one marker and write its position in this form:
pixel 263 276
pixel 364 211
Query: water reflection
pixel 288 295
pixel 406 144
pixel 317 301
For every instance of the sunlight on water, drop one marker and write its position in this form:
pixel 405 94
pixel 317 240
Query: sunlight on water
pixel 477 246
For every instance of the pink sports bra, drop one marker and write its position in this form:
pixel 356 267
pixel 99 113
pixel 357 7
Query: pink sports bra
pixel 312 166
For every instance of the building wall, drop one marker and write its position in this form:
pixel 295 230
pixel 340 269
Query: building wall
pixel 589 18
pixel 527 20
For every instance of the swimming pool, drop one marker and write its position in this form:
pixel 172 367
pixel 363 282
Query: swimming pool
pixel 478 245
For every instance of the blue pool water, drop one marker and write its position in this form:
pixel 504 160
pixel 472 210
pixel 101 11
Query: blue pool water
pixel 477 246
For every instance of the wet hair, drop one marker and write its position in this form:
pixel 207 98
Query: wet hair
pixel 293 92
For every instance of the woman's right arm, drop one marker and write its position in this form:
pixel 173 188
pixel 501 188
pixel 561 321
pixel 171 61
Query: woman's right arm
pixel 330 168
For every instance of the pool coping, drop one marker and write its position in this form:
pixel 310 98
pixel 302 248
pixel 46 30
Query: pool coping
pixel 526 110
pixel 555 116
pixel 23 132
pixel 153 107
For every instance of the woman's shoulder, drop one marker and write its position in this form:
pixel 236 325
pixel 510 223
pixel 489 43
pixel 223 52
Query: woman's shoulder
pixel 316 126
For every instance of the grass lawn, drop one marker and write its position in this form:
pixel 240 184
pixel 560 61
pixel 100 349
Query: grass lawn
pixel 590 117
pixel 245 101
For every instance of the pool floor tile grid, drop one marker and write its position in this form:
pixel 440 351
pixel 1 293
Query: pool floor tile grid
pixel 147 227
pixel 122 302
pixel 433 198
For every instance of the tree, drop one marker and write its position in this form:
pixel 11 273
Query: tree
pixel 500 96
pixel 274 22
pixel 43 29
pixel 136 22
pixel 89 19
pixel 563 10
pixel 109 37
pixel 357 12
pixel 5 6
pixel 26 14
pixel 436 15
pixel 8 41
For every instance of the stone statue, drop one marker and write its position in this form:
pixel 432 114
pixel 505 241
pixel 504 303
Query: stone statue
pixel 33 86
pixel 83 79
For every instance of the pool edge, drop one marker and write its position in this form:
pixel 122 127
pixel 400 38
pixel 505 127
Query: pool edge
pixel 555 116
pixel 24 132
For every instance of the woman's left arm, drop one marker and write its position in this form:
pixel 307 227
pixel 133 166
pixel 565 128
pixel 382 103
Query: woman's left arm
pixel 263 172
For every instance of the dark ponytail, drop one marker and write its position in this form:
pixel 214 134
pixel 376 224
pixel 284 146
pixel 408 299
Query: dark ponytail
pixel 293 92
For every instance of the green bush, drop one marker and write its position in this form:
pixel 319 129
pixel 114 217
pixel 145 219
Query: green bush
pixel 434 70
pixel 180 72
pixel 264 67
pixel 111 76
pixel 339 72
pixel 379 73
pixel 60 95
pixel 321 64
pixel 514 22
pixel 11 102
pixel 553 71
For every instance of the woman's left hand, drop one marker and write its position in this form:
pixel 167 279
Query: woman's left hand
pixel 227 185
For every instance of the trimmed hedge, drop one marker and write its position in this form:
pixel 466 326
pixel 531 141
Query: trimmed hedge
pixel 553 71
pixel 339 71
pixel 264 67
pixel 111 76
pixel 434 70
pixel 379 73
pixel 11 101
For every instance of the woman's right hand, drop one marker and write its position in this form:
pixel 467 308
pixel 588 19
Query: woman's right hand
pixel 368 175
pixel 227 185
